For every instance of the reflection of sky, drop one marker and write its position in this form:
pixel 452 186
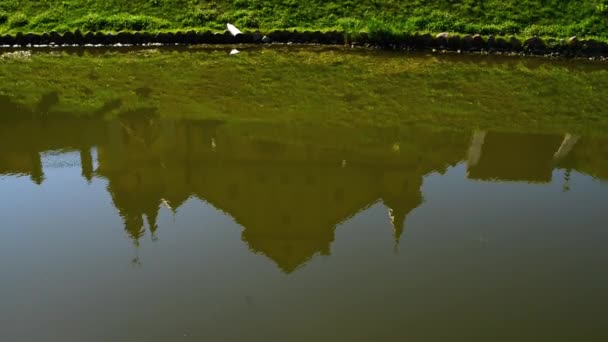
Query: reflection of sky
pixel 517 204
pixel 60 159
pixel 65 159
pixel 475 256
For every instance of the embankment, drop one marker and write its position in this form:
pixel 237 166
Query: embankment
pixel 572 47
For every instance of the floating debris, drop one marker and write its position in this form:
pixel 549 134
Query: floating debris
pixel 396 147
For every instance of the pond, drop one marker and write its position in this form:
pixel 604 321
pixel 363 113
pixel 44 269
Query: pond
pixel 301 194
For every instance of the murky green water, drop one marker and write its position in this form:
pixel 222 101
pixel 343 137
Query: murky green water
pixel 302 195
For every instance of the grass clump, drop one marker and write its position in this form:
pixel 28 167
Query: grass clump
pixel 383 31
pixel 18 20
pixel 199 18
pixel 3 18
pixel 120 22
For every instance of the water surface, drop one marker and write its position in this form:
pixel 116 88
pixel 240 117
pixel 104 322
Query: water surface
pixel 126 217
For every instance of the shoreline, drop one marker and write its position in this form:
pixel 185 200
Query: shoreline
pixel 443 42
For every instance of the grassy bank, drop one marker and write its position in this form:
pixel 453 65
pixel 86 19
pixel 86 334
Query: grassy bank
pixel 556 18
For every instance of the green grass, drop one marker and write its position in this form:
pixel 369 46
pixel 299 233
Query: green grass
pixel 315 86
pixel 556 18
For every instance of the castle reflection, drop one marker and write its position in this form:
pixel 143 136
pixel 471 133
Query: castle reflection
pixel 289 195
pixel 288 187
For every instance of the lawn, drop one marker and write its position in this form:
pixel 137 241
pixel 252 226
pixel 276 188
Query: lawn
pixel 555 18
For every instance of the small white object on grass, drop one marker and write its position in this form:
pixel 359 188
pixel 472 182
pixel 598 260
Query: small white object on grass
pixel 234 52
pixel 233 30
